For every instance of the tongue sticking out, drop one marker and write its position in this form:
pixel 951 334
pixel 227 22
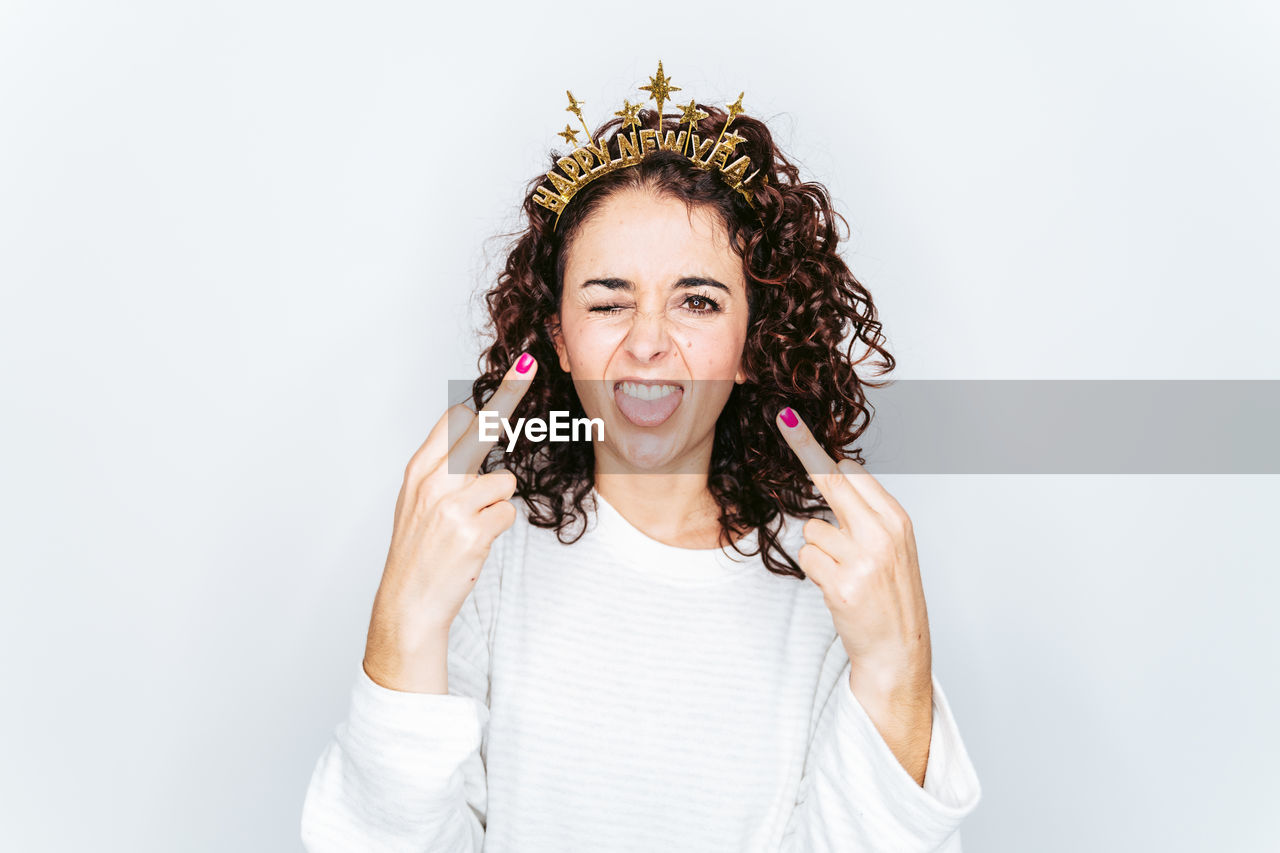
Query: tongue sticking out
pixel 647 413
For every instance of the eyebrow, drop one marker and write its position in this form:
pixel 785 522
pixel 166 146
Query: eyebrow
pixel 685 282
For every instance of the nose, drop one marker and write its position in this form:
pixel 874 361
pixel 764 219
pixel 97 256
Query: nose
pixel 648 339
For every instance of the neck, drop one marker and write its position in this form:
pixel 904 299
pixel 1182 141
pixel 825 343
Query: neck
pixel 675 509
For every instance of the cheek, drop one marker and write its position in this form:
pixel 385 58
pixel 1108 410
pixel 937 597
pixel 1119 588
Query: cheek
pixel 715 352
pixel 589 342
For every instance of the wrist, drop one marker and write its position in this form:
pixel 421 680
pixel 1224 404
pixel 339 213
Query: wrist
pixel 411 658
pixel 404 618
pixel 902 675
pixel 424 672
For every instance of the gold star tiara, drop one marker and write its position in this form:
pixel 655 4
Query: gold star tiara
pixel 586 163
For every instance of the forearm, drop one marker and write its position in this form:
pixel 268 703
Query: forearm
pixel 899 700
pixel 405 651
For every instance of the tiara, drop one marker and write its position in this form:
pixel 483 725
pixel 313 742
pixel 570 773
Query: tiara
pixel 587 162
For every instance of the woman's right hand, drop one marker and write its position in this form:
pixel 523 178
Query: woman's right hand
pixel 447 517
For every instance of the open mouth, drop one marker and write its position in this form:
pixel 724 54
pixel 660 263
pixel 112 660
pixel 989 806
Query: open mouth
pixel 647 403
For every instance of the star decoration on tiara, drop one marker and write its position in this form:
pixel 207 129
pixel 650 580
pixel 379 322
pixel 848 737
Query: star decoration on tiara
pixel 691 112
pixel 630 114
pixel 731 139
pixel 575 107
pixel 632 143
pixel 659 88
pixel 735 108
pixel 570 135
pixel 692 115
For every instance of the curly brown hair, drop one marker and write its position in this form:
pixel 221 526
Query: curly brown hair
pixel 807 316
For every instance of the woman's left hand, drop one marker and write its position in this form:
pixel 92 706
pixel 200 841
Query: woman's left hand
pixel 867 570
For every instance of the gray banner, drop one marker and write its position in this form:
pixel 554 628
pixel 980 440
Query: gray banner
pixel 1075 427
pixel 1066 426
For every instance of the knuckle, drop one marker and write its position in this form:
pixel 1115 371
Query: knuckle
pixel 450 511
pixel 507 394
pixel 844 590
pixel 429 494
pixel 903 520
pixel 414 469
pixel 473 539
pixel 840 484
pixel 808 557
pixel 879 543
pixel 875 564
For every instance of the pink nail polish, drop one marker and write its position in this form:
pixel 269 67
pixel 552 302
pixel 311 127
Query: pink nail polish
pixel 524 363
pixel 789 417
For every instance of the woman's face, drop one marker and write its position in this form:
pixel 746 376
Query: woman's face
pixel 653 320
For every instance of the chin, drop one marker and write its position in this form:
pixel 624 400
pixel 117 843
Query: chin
pixel 650 452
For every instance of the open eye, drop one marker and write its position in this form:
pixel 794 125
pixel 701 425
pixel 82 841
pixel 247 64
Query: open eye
pixel 701 304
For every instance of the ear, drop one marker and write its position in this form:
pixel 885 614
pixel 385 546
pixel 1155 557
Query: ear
pixel 741 375
pixel 557 338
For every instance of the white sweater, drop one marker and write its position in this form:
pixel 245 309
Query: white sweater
pixel 620 694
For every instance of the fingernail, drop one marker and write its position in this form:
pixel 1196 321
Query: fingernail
pixel 524 363
pixel 789 417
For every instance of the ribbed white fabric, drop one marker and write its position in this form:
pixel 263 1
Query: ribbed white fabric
pixel 620 694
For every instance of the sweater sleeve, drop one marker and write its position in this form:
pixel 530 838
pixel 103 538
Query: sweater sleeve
pixel 405 771
pixel 856 796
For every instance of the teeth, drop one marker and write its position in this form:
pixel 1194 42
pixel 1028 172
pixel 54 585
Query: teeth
pixel 647 392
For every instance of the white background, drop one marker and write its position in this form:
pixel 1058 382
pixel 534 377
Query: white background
pixel 238 243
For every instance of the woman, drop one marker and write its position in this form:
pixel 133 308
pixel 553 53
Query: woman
pixel 699 631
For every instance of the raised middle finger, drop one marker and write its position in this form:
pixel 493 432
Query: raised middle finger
pixel 471 448
pixel 849 507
